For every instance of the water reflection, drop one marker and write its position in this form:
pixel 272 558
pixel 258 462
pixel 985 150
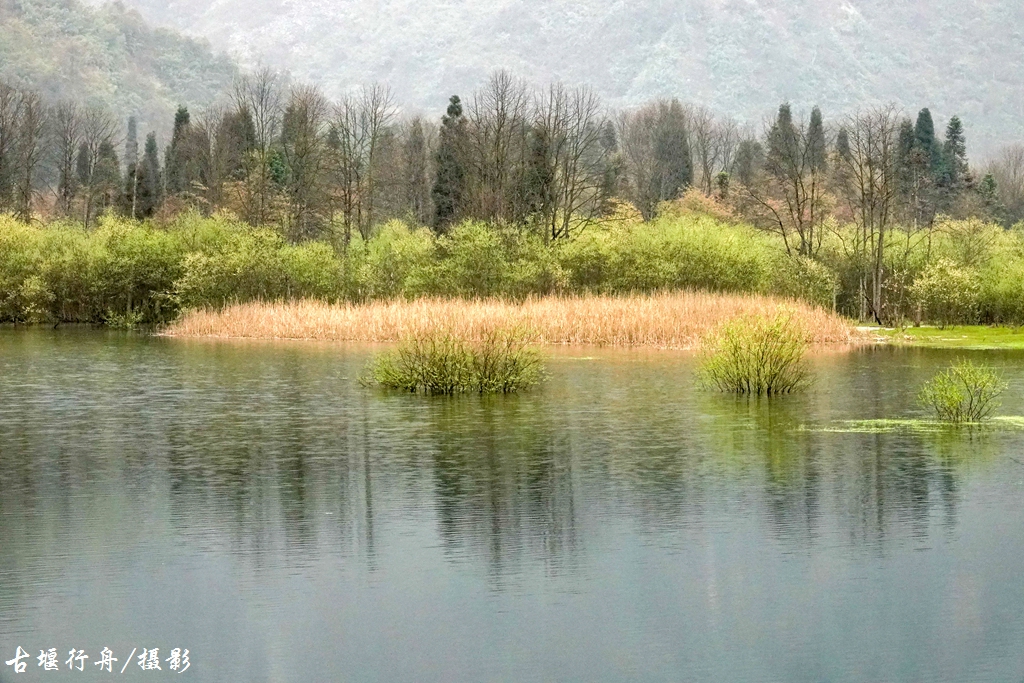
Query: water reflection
pixel 120 452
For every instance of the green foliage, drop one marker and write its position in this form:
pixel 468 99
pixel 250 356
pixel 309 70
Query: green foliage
pixel 436 362
pixel 691 252
pixel 258 264
pixel 948 294
pixel 798 277
pixel 964 393
pixel 61 272
pixel 755 355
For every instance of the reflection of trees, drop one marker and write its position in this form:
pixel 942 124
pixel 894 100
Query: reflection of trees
pixel 268 451
pixel 502 485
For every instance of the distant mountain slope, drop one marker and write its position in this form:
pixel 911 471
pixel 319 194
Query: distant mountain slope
pixel 108 56
pixel 739 56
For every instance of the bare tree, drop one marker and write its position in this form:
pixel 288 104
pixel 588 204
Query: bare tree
pixel 303 132
pixel 67 137
pixel 258 100
pixel 357 130
pixel 10 109
pixel 497 145
pixel 656 154
pixel 705 147
pixel 417 151
pixel 29 150
pixel 1008 171
pixel 867 168
pixel 572 158
pixel 98 128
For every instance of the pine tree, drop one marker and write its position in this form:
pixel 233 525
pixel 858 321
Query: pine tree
pixel 843 145
pixel 235 138
pixel 954 155
pixel 176 155
pixel 672 162
pixel 539 178
pixel 131 145
pixel 783 143
pixel 149 191
pixel 926 144
pixel 904 157
pixel 816 145
pixel 449 185
pixel 107 175
pixel 748 161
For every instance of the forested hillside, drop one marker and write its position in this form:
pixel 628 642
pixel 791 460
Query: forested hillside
pixel 107 57
pixel 740 57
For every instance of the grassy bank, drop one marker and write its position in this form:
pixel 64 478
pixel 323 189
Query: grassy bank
pixel 967 337
pixel 667 320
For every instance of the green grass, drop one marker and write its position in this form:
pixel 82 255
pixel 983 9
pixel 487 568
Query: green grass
pixel 967 337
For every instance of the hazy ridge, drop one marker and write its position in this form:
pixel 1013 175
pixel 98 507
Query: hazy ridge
pixel 108 56
pixel 741 57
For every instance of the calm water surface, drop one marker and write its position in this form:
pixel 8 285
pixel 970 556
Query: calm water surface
pixel 252 503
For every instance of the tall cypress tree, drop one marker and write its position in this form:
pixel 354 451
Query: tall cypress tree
pixel 131 144
pixel 149 186
pixel 673 167
pixel 449 185
pixel 816 145
pixel 926 144
pixel 748 161
pixel 176 155
pixel 954 155
pixel 107 175
pixel 783 144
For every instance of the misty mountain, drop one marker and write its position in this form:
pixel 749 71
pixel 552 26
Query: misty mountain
pixel 741 57
pixel 108 56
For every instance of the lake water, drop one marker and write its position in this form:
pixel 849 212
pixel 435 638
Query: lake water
pixel 251 502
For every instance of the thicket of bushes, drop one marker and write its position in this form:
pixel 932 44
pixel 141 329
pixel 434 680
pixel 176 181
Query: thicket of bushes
pixel 141 272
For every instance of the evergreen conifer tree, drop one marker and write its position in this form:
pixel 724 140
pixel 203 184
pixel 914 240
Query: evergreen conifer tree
pixel 149 192
pixel 954 155
pixel 672 161
pixel 449 185
pixel 176 155
pixel 748 161
pixel 783 143
pixel 816 145
pixel 926 144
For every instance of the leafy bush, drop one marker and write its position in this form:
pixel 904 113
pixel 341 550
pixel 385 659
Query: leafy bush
pixel 755 355
pixel 437 362
pixel 948 293
pixel 798 277
pixel 964 393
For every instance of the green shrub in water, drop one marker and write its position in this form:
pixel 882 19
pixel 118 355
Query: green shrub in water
pixel 964 393
pixel 441 363
pixel 762 355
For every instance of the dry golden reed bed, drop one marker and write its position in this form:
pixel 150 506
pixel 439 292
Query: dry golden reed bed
pixel 671 320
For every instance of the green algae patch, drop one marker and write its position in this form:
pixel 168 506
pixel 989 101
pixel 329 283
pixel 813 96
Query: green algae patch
pixel 1003 423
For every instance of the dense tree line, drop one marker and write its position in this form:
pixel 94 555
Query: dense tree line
pixel 546 161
